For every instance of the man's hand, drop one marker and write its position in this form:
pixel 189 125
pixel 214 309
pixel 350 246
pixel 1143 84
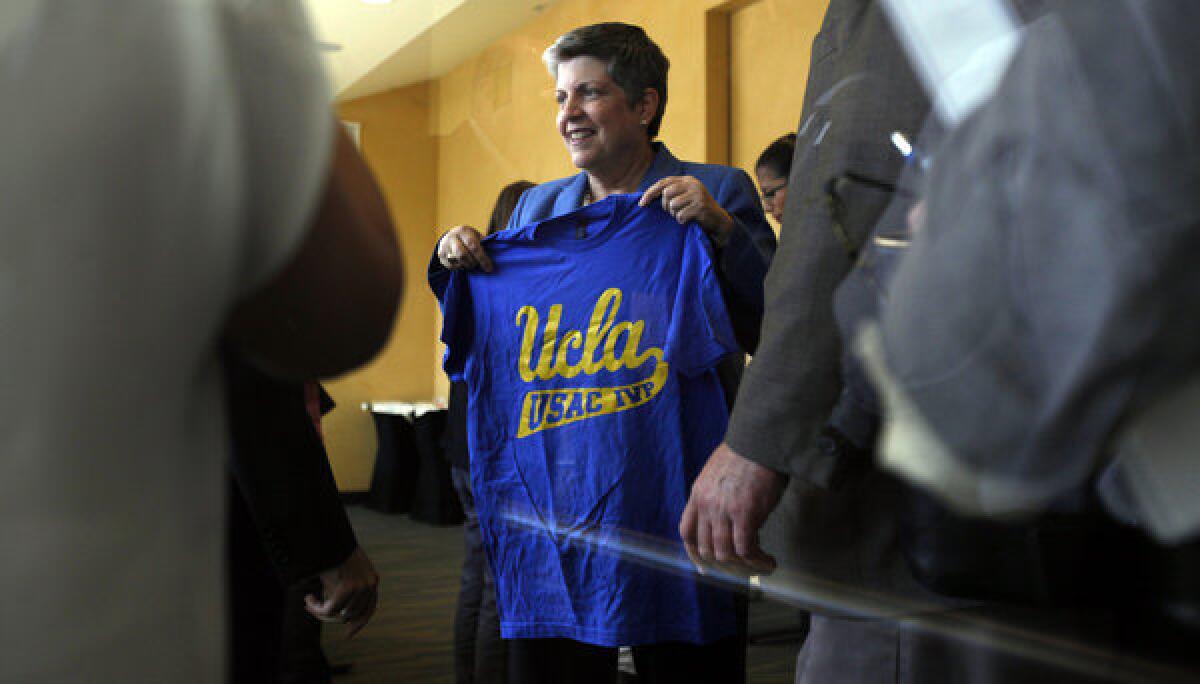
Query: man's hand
pixel 351 592
pixel 730 501
pixel 462 248
pixel 686 199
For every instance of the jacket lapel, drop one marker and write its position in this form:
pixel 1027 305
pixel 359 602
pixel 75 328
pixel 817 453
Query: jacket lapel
pixel 571 197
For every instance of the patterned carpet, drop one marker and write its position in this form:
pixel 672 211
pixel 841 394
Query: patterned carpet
pixel 409 641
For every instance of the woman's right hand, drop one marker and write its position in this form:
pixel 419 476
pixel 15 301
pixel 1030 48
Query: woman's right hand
pixel 462 248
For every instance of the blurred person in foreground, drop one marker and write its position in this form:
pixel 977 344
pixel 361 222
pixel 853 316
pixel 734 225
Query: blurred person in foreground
pixel 480 655
pixel 1063 373
pixel 771 171
pixel 897 649
pixel 611 89
pixel 205 192
pixel 860 89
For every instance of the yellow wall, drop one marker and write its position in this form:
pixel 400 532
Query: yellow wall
pixel 495 112
pixel 770 45
pixel 444 150
pixel 403 156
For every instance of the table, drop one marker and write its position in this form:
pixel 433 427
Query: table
pixel 411 474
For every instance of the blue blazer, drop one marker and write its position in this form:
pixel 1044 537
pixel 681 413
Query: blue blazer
pixel 741 264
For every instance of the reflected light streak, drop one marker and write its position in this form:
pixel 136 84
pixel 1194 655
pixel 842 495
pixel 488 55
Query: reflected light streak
pixel 837 599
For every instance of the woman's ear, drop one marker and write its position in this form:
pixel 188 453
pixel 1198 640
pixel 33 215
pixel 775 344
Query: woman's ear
pixel 648 106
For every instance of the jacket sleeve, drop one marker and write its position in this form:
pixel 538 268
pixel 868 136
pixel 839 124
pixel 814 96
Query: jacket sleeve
pixel 281 469
pixel 437 275
pixel 859 91
pixel 743 260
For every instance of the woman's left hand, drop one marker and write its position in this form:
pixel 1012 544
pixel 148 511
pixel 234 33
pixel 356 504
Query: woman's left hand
pixel 686 199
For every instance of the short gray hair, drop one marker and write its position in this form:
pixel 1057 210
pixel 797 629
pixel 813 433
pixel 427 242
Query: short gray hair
pixel 634 61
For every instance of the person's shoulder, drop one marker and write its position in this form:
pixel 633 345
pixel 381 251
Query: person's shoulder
pixel 549 189
pixel 724 182
pixel 707 172
pixel 538 203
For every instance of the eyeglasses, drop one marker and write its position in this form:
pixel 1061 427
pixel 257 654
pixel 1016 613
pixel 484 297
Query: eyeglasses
pixel 768 194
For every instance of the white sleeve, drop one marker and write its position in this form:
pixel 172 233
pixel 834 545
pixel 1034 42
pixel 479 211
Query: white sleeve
pixel 285 126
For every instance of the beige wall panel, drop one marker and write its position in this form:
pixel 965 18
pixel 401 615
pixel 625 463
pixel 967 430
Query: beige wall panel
pixel 403 156
pixel 770 45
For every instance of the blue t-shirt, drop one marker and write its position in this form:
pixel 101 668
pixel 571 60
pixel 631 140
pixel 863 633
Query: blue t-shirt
pixel 589 353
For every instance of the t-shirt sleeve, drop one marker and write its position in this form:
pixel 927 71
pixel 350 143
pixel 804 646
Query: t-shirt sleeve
pixel 458 325
pixel 284 125
pixel 700 332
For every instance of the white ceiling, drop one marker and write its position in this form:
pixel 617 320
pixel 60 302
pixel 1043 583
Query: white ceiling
pixel 384 46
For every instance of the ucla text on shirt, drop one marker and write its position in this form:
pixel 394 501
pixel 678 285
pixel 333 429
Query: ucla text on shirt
pixel 551 408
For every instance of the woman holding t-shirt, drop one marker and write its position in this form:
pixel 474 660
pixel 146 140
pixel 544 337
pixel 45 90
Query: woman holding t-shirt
pixel 611 89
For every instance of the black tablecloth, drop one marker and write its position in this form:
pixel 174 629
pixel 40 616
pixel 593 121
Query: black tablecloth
pixel 395 475
pixel 411 474
pixel 434 501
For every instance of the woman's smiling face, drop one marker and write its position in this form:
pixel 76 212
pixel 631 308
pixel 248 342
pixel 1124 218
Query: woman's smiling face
pixel 595 119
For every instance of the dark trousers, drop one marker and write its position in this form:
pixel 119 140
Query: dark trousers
pixel 554 661
pixel 480 655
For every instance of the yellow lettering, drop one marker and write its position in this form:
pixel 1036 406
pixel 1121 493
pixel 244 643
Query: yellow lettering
pixel 610 345
pixel 630 357
pixel 572 340
pixel 525 363
pixel 548 409
pixel 545 364
pixel 603 335
pixel 602 321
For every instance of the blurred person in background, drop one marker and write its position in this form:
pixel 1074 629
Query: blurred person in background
pixel 771 171
pixel 480 655
pixel 172 176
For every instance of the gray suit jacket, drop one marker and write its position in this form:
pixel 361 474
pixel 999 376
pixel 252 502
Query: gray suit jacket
pixel 1075 280
pixel 860 90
